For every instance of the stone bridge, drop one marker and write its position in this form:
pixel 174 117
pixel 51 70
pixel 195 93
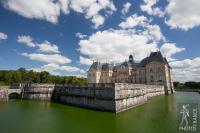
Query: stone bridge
pixel 7 92
pixel 18 91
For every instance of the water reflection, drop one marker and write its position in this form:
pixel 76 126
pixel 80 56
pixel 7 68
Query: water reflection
pixel 156 116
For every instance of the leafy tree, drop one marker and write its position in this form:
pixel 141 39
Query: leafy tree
pixel 22 75
pixel 44 77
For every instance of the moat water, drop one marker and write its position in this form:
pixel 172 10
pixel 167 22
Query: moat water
pixel 156 116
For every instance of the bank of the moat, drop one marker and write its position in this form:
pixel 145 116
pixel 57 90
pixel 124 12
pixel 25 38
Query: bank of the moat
pixel 156 116
pixel 106 97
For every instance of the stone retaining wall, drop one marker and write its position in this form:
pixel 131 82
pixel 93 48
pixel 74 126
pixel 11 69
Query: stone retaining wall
pixel 4 93
pixel 99 97
pixel 38 91
pixel 131 95
pixel 107 97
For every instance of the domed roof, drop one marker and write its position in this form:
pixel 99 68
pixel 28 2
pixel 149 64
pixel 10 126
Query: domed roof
pixel 131 60
pixel 130 56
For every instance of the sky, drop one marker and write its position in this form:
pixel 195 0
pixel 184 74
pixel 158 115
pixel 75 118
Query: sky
pixel 64 37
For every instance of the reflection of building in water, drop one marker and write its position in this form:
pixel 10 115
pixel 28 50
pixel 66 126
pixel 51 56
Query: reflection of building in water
pixel 153 70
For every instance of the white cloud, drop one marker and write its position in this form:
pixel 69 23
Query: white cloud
pixel 3 36
pixel 92 8
pixel 27 40
pixel 50 10
pixel 183 14
pixel 47 58
pixel 148 7
pixel 135 36
pixel 133 21
pixel 115 45
pixel 64 6
pixel 46 46
pixel 152 31
pixel 97 20
pixel 59 69
pixel 126 8
pixel 155 32
pixel 80 35
pixel 186 70
pixel 85 61
pixel 169 49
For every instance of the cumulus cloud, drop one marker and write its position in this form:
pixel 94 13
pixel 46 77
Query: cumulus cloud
pixel 50 10
pixel 55 61
pixel 98 20
pixel 149 7
pixel 27 40
pixel 133 21
pixel 48 47
pixel 169 49
pixel 3 36
pixel 135 35
pixel 59 69
pixel 186 70
pixel 183 14
pixel 47 58
pixel 126 8
pixel 85 61
pixel 44 9
pixel 115 46
pixel 155 32
pixel 45 46
pixel 92 8
pixel 80 35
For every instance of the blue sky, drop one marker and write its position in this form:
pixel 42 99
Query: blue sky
pixel 65 36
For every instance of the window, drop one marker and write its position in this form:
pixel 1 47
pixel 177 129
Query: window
pixel 152 79
pixel 151 70
pixel 160 78
pixel 159 70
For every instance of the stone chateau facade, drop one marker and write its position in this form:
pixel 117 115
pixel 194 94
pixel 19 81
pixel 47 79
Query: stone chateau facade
pixel 152 70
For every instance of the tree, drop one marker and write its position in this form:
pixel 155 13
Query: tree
pixel 44 77
pixel 22 75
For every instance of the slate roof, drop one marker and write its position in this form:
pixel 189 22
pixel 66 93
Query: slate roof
pixel 107 67
pixel 154 56
pixel 96 66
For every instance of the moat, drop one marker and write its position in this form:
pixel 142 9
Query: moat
pixel 156 116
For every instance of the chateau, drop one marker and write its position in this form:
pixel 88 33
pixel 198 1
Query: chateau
pixel 152 70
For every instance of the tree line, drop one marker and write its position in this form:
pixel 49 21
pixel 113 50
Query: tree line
pixel 187 85
pixel 22 75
